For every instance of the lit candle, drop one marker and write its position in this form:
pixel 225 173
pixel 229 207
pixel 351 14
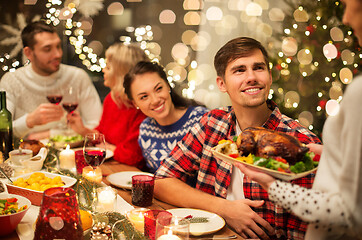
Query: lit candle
pixel 106 199
pixel 91 174
pixel 169 236
pixel 67 159
pixel 136 217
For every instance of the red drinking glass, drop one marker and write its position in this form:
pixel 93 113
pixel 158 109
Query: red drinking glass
pixel 142 190
pixel 59 216
pixel 80 161
pixel 150 221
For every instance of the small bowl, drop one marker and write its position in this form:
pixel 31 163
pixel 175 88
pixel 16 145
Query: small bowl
pixel 8 223
pixel 36 163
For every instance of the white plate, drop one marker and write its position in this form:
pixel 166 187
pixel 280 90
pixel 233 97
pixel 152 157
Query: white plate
pixel 214 224
pixel 274 173
pixel 124 179
pixel 109 153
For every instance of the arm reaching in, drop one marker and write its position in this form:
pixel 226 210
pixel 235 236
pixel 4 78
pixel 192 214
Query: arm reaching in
pixel 238 214
pixel 43 114
pixel 263 179
pixel 316 148
pixel 76 123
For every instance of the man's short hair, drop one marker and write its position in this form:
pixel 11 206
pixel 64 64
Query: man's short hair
pixel 28 33
pixel 237 48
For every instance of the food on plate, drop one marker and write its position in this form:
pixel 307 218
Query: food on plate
pixel 9 206
pixel 270 149
pixel 33 145
pixel 86 219
pixel 66 139
pixel 39 182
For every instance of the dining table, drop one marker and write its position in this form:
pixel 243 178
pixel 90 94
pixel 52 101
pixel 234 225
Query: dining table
pixel 111 166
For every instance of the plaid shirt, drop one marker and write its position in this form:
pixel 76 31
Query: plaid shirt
pixel 192 161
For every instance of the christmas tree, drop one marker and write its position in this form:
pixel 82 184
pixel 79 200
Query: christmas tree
pixel 317 60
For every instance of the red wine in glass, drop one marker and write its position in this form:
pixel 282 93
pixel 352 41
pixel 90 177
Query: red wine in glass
pixel 55 99
pixel 94 157
pixel 70 107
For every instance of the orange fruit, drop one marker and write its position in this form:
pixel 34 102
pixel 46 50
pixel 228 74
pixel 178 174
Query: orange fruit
pixel 86 219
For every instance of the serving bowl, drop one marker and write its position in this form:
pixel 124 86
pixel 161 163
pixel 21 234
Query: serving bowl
pixel 8 223
pixel 36 196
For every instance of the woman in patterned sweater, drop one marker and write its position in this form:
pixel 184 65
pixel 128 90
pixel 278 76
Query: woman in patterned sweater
pixel 170 116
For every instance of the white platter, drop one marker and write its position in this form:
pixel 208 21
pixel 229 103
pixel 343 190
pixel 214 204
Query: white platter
pixel 124 179
pixel 274 173
pixel 214 224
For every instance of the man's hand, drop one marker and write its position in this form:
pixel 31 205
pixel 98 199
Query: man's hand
pixel 75 122
pixel 239 215
pixel 43 114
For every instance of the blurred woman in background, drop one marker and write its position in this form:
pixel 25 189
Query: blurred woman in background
pixel 120 119
pixel 170 116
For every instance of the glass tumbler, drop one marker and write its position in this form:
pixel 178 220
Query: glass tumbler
pixel 59 216
pixel 142 190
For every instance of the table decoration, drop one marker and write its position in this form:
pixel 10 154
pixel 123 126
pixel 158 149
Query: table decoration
pixel 142 190
pixel 136 217
pixel 150 222
pixel 59 216
pixel 67 159
pixel 169 227
pixel 92 174
pixel 106 199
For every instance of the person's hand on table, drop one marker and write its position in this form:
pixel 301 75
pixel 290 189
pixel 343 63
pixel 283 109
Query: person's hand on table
pixel 265 180
pixel 239 215
pixel 43 114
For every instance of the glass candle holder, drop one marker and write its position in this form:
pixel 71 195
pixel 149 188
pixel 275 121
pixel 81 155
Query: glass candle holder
pixel 94 175
pixel 172 228
pixel 150 222
pixel 59 216
pixel 136 217
pixel 80 161
pixel 142 190
pixel 106 199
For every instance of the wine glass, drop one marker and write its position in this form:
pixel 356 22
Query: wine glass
pixel 54 93
pixel 94 151
pixel 70 102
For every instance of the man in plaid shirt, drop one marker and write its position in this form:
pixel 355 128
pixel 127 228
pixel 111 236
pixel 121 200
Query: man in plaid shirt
pixel 243 73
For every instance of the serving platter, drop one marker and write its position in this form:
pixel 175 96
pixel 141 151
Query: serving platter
pixel 280 175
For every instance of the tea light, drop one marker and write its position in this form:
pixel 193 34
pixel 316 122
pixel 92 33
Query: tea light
pixel 169 237
pixel 136 217
pixel 91 174
pixel 67 159
pixel 106 199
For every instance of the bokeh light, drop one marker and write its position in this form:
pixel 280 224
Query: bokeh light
pixel 193 4
pixel 276 15
pixel 345 75
pixel 332 107
pixel 347 57
pixel 330 51
pixel 115 8
pixel 214 13
pixel 305 118
pixel 305 56
pixel 167 16
pixel 253 9
pixel 179 51
pixel 289 46
pixel 300 15
pixel 336 34
pixel 187 36
pixel 291 99
pixel 192 18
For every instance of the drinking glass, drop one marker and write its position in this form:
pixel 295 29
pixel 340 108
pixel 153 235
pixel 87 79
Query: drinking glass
pixel 70 103
pixel 94 151
pixel 142 190
pixel 59 216
pixel 54 93
pixel 169 227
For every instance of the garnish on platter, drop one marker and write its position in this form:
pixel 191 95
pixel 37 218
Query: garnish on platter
pixel 61 141
pixel 276 153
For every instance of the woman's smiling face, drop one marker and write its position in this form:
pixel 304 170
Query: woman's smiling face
pixel 152 95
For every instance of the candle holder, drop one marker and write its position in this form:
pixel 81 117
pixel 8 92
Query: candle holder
pixel 106 199
pixel 172 228
pixel 136 217
pixel 150 222
pixel 59 216
pixel 67 159
pixel 93 175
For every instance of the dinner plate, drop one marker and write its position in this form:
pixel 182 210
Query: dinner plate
pixel 214 224
pixel 124 179
pixel 109 153
pixel 274 173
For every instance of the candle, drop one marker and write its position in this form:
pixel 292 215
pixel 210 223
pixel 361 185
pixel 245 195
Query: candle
pixel 136 217
pixel 67 159
pixel 106 199
pixel 168 237
pixel 91 174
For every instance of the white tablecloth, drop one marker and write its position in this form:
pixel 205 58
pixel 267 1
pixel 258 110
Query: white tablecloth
pixel 25 229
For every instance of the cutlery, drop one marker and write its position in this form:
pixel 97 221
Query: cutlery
pixel 218 237
pixel 1 170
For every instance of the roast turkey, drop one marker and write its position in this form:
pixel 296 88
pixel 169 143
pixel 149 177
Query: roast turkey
pixel 269 143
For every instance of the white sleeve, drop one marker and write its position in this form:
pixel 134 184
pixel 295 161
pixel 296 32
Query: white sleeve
pixel 326 211
pixel 90 106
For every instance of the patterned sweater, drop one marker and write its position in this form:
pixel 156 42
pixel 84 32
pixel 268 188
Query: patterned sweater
pixel 157 141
